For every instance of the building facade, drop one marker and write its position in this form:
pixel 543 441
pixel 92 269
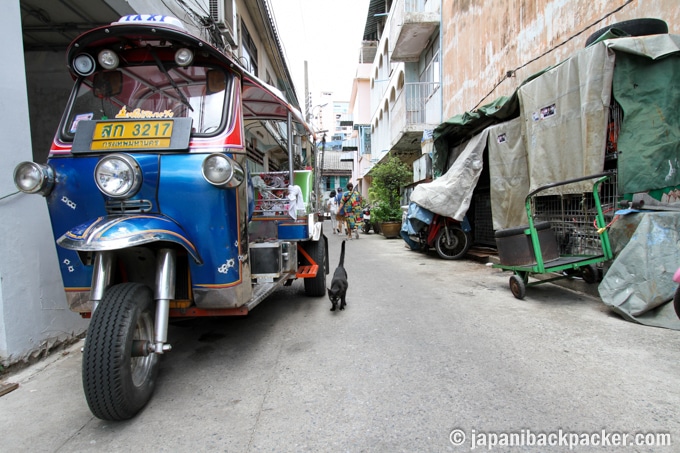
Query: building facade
pixel 490 47
pixel 433 59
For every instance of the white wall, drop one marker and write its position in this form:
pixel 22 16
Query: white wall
pixel 33 311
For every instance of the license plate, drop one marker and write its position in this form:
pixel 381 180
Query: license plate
pixel 111 135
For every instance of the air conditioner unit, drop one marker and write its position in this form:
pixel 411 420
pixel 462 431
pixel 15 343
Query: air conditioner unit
pixel 222 12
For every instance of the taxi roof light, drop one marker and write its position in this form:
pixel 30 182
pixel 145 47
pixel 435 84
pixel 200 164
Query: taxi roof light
pixel 151 19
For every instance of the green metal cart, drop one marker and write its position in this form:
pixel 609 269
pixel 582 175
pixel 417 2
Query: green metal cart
pixel 532 249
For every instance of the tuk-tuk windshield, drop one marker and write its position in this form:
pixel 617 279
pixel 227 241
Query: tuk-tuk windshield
pixel 195 92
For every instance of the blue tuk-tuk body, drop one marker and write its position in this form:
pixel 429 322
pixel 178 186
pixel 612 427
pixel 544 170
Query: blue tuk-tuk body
pixel 153 204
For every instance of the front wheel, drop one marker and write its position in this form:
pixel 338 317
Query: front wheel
pixel 454 245
pixel 119 375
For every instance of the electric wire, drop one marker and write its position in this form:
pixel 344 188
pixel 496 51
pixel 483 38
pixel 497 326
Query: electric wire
pixel 511 73
pixel 9 195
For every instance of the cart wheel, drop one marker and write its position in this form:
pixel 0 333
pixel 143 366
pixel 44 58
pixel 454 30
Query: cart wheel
pixel 518 287
pixel 589 273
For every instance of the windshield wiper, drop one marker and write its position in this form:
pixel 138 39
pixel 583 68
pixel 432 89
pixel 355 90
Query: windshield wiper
pixel 160 65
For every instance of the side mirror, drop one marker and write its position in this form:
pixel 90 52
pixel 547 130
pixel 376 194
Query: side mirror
pixel 215 81
pixel 107 84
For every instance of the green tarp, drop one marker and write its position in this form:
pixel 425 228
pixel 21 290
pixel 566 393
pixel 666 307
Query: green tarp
pixel 649 141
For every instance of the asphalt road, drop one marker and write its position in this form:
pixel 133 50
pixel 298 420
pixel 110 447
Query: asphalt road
pixel 425 347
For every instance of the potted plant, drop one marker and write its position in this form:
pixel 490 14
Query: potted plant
pixel 388 178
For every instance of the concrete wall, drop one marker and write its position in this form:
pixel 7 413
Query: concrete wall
pixel 33 312
pixel 483 39
pixel 49 87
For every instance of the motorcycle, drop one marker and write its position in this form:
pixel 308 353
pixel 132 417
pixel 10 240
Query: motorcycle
pixel 424 230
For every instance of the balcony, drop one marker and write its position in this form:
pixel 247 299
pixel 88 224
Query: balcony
pixel 416 108
pixel 413 23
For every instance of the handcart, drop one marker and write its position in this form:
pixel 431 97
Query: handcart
pixel 534 248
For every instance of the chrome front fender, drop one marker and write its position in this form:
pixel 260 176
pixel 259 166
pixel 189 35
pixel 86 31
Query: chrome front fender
pixel 119 232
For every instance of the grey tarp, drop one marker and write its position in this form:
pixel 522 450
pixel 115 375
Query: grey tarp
pixel 639 284
pixel 565 113
pixel 450 195
pixel 508 174
pixel 462 127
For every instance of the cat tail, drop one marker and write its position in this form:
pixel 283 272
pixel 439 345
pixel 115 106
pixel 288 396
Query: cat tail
pixel 342 254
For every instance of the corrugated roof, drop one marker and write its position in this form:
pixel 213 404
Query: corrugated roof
pixel 332 162
pixel 376 15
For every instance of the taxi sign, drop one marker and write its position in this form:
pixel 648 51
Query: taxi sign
pixel 152 19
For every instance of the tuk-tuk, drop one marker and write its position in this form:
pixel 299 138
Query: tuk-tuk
pixel 154 204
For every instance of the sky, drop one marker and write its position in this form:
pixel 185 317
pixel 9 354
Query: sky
pixel 326 33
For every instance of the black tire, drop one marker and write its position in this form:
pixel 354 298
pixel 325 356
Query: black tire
pixel 634 27
pixel 676 302
pixel 458 245
pixel 590 274
pixel 116 384
pixel 316 286
pixel 517 286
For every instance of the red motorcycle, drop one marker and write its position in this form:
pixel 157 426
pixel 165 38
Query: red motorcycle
pixel 450 238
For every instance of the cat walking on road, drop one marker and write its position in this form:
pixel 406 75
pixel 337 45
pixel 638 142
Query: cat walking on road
pixel 339 283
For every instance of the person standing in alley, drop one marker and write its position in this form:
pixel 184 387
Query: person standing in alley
pixel 333 209
pixel 350 206
pixel 340 217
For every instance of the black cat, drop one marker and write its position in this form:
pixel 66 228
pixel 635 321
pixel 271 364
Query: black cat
pixel 339 284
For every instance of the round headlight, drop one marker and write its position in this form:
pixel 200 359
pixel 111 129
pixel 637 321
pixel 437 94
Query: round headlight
pixel 84 64
pixel 30 177
pixel 118 176
pixel 108 59
pixel 220 170
pixel 184 57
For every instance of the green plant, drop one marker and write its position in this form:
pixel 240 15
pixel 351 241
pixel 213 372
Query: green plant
pixel 388 178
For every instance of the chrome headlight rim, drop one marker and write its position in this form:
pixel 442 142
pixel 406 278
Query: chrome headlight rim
pixel 221 170
pixel 84 64
pixel 127 186
pixel 31 178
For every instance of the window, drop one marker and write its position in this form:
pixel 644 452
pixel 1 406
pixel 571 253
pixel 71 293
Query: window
pixel 144 91
pixel 248 49
pixel 429 64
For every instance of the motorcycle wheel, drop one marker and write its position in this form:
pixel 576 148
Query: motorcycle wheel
pixel 456 247
pixel 118 382
pixel 366 228
pixel 676 302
